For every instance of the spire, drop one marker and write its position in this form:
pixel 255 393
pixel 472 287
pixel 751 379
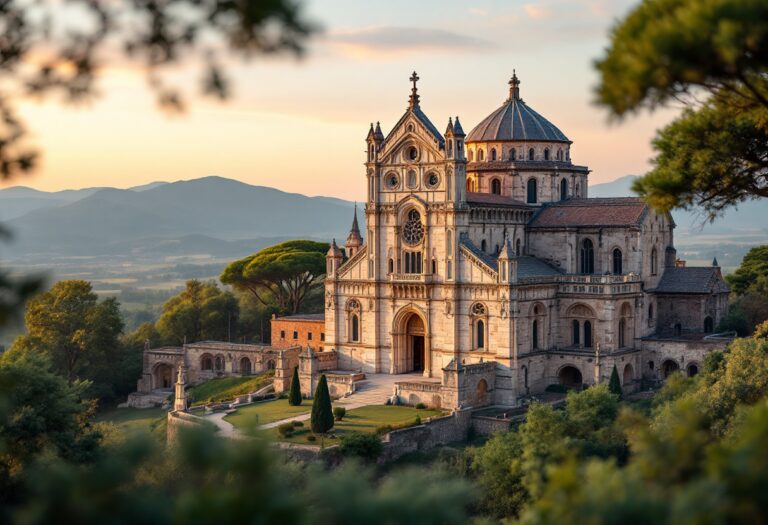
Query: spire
pixel 514 87
pixel 378 135
pixel 506 251
pixel 715 263
pixel 371 134
pixel 333 250
pixel 457 128
pixel 449 129
pixel 354 239
pixel 413 101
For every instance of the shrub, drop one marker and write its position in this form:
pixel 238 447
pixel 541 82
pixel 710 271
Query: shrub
pixel 298 423
pixel 557 389
pixel 615 385
pixel 384 429
pixel 417 421
pixel 311 437
pixel 367 447
pixel 420 406
pixel 322 414
pixel 285 429
pixel 339 413
pixel 294 397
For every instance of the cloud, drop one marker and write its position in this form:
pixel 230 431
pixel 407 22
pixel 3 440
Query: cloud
pixel 387 41
pixel 477 11
pixel 537 11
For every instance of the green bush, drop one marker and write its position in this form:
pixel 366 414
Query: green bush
pixel 417 421
pixel 384 429
pixel 285 429
pixel 557 389
pixel 298 423
pixel 311 437
pixel 615 385
pixel 367 447
pixel 420 406
pixel 322 415
pixel 294 397
pixel 339 413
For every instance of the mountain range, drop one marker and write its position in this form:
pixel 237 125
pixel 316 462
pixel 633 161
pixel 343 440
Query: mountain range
pixel 227 218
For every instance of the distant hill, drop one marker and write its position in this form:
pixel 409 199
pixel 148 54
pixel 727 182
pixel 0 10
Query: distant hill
pixel 749 219
pixel 221 212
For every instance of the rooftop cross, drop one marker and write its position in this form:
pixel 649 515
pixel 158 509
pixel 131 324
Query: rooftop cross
pixel 414 99
pixel 514 87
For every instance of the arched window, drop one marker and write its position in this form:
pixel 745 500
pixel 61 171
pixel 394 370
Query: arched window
pixel 654 262
pixel 531 191
pixel 513 154
pixel 450 148
pixel 480 154
pixel 391 266
pixel 219 363
pixel 546 153
pixel 434 266
pixel 622 331
pixel 650 314
pixel 206 363
pixel 531 154
pixel 587 334
pixel 480 333
pixel 709 325
pixel 471 155
pixel 412 262
pixel 496 187
pixel 355 322
pixel 535 334
pixel 493 153
pixel 559 154
pixel 617 262
pixel 517 248
pixel 483 245
pixel 575 332
pixel 563 189
pixel 587 257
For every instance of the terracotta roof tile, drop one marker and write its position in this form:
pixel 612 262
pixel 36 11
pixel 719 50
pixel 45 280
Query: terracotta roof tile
pixel 623 211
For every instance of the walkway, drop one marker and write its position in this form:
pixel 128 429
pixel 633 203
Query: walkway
pixel 226 429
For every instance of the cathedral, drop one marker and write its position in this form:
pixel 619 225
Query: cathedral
pixel 484 275
pixel 485 268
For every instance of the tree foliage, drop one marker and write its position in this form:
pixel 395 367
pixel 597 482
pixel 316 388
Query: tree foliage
pixel 78 332
pixel 201 312
pixel 54 48
pixel 286 272
pixel 615 383
pixel 713 57
pixel 321 419
pixel 749 282
pixel 294 394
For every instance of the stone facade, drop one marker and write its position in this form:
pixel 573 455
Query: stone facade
pixel 483 259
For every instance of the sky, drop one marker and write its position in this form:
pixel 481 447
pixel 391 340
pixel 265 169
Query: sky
pixel 300 124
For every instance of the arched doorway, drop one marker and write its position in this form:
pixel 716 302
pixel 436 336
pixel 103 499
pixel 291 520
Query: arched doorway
pixel 163 376
pixel 692 369
pixel 668 368
pixel 570 377
pixel 410 348
pixel 481 393
pixel 245 366
pixel 627 376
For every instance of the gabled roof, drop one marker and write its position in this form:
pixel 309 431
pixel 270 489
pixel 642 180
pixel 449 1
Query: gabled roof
pixel 422 117
pixel 619 211
pixel 527 267
pixel 692 280
pixel 493 199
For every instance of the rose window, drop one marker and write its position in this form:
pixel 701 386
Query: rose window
pixel 413 231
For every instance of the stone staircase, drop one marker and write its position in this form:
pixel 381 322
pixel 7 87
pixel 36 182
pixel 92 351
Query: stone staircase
pixel 375 389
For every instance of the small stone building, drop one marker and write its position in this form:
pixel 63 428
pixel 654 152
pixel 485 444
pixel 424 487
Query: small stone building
pixel 303 330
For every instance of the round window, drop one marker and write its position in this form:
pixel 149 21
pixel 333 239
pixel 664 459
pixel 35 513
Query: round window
pixel 392 180
pixel 413 230
pixel 412 153
pixel 432 179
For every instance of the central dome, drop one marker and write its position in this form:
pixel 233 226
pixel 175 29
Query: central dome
pixel 515 121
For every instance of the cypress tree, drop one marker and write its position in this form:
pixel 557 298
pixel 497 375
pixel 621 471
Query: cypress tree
pixel 294 395
pixel 322 415
pixel 615 385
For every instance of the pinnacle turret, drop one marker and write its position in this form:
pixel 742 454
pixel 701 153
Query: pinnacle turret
pixel 457 130
pixel 354 239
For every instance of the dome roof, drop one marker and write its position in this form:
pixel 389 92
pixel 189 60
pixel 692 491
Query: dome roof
pixel 515 120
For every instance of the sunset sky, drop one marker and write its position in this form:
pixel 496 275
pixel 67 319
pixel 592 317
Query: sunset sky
pixel 300 125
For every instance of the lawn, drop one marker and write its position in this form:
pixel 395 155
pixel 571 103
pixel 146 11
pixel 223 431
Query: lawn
pixel 365 419
pixel 227 388
pixel 266 412
pixel 135 420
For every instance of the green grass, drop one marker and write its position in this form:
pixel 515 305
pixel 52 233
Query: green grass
pixel 365 419
pixel 267 412
pixel 227 388
pixel 135 420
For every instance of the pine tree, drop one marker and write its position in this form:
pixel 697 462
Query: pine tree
pixel 615 385
pixel 322 415
pixel 294 395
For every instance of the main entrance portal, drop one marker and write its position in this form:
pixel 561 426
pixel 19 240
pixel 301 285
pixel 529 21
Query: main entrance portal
pixel 410 345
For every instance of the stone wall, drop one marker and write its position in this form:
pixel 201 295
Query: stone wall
pixel 181 420
pixel 438 431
